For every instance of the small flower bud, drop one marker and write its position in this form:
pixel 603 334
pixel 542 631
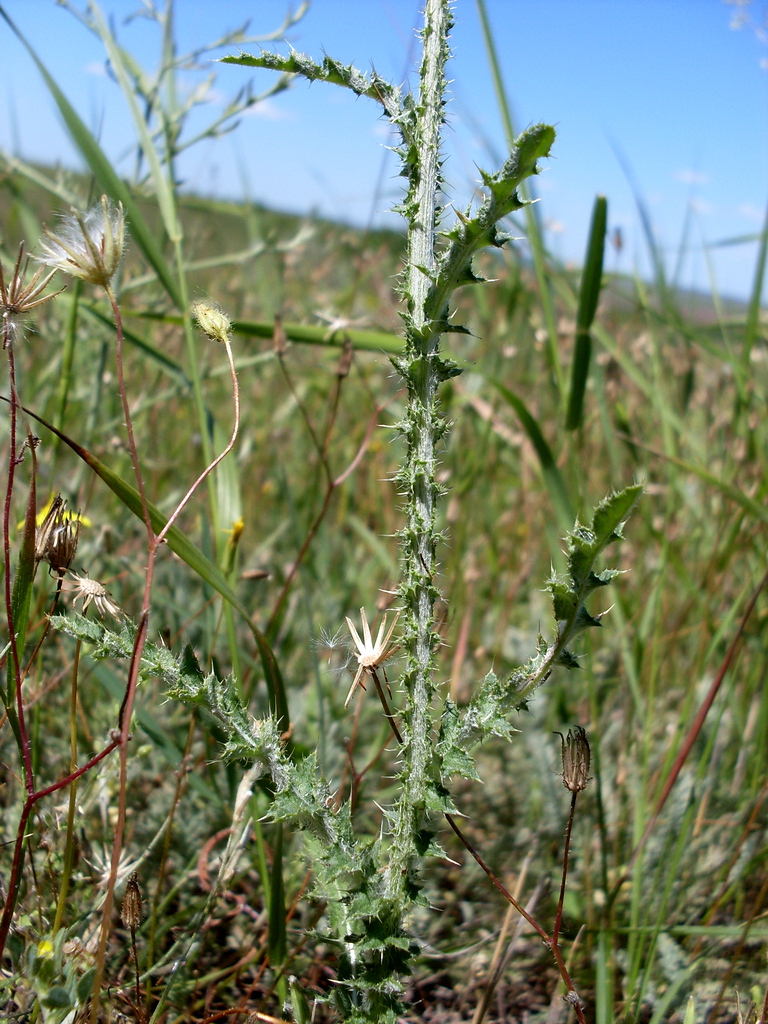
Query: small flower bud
pixel 576 756
pixel 132 904
pixel 212 321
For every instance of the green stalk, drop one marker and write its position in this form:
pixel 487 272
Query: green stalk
pixel 423 426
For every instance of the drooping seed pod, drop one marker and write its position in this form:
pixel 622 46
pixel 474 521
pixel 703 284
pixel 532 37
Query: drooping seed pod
pixel 576 758
pixel 132 904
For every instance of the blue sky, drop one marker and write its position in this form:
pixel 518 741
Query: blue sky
pixel 667 84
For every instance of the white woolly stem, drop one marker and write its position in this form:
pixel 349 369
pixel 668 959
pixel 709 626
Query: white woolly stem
pixel 422 428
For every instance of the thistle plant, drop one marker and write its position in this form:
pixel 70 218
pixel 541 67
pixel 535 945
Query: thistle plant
pixel 372 886
pixel 369 884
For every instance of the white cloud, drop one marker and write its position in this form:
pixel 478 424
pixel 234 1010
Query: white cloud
pixel 752 213
pixel 689 177
pixel 268 111
pixel 702 207
pixel 97 68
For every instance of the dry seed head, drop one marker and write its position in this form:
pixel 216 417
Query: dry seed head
pixel 212 321
pixel 91 591
pixel 17 298
pixel 370 654
pixel 132 904
pixel 88 245
pixel 576 757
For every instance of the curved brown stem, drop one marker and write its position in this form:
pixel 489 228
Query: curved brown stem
pixel 572 997
pixel 385 704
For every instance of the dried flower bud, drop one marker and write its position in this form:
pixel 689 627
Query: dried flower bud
pixel 576 755
pixel 132 904
pixel 279 337
pixel 88 245
pixel 212 321
pixel 345 360
pixel 63 544
pixel 57 536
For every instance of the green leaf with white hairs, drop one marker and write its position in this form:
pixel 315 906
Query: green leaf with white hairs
pixel 487 713
pixel 332 71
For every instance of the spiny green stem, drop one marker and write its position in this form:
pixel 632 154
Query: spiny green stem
pixel 422 430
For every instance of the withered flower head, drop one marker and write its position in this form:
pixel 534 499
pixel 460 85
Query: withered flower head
pixel 57 536
pixel 369 654
pixel 576 756
pixel 91 591
pixel 132 904
pixel 88 245
pixel 17 298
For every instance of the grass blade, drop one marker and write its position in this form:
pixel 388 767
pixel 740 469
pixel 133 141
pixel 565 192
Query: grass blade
pixel 304 334
pixel 589 296
pixel 753 311
pixel 163 190
pixel 276 942
pixel 552 476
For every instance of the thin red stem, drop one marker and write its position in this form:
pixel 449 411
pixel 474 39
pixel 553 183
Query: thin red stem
pixel 697 724
pixel 574 999
pixel 127 415
pixel 32 799
pixel 504 892
pixel 134 669
pixel 385 704
pixel 569 828
pixel 29 778
pixel 126 708
pixel 209 469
